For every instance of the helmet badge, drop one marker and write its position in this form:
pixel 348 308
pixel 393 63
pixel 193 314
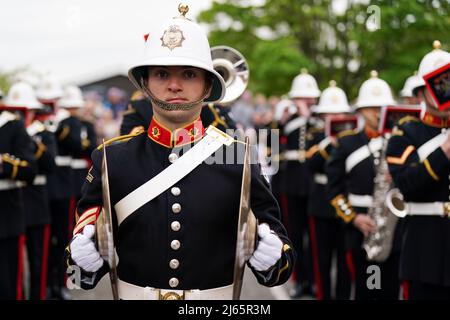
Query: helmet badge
pixel 172 37
pixel 376 91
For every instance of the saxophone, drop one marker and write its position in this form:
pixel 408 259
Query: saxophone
pixel 378 245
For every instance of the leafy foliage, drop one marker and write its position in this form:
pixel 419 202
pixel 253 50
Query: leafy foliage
pixel 278 37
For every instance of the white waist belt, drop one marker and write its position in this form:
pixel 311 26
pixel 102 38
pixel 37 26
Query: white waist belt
pixel 129 291
pixel 320 178
pixel 7 184
pixel 40 180
pixel 357 200
pixel 428 208
pixel 63 161
pixel 291 155
pixel 79 164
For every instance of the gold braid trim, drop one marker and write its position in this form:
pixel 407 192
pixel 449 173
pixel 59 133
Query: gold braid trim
pixel 64 133
pixel 338 202
pixel 217 119
pixel 40 151
pixel 123 138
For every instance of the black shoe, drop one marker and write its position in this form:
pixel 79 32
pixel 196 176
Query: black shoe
pixel 60 293
pixel 300 290
pixel 308 290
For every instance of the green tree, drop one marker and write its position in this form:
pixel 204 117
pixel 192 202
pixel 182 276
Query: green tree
pixel 279 37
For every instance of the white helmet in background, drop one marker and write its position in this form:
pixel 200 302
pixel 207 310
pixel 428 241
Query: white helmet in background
pixel 282 106
pixel 72 98
pixel 49 89
pixel 22 95
pixel 374 92
pixel 432 61
pixel 178 42
pixel 332 100
pixel 304 86
pixel 411 83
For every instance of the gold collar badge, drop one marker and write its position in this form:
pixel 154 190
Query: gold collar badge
pixel 193 132
pixel 155 132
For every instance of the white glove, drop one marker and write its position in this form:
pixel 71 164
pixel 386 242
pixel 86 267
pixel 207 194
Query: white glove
pixel 268 251
pixel 83 250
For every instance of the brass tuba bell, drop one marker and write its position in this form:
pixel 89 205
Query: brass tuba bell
pixel 233 67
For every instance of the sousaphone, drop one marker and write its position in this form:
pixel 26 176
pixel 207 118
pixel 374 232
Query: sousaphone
pixel 233 68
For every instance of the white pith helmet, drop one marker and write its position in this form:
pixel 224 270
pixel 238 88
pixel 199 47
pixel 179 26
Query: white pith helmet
pixel 72 98
pixel 179 42
pixel 282 106
pixel 374 92
pixel 21 94
pixel 49 89
pixel 332 100
pixel 432 61
pixel 304 86
pixel 411 83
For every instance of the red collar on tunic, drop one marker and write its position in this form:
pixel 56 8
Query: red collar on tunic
pixel 434 121
pixel 371 133
pixel 179 137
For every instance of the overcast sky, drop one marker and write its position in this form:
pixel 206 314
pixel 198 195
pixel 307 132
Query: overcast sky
pixel 72 37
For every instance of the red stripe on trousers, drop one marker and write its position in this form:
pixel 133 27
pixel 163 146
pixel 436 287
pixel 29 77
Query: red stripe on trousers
pixel 405 289
pixel 350 264
pixel 44 262
pixel 72 208
pixel 19 280
pixel 315 256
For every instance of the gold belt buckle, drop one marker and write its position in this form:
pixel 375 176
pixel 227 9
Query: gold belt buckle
pixel 171 295
pixel 447 209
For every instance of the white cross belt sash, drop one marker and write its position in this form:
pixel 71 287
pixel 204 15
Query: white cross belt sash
pixel 213 140
pixel 431 145
pixel 362 153
pixel 293 125
pixel 6 117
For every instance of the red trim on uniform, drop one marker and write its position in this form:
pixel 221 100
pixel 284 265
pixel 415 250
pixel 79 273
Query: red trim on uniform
pixel 181 136
pixel 19 280
pixel 405 289
pixel 315 256
pixel 434 121
pixel 350 264
pixel 72 208
pixel 87 217
pixel 88 161
pixel 44 262
pixel 370 133
pixel 78 215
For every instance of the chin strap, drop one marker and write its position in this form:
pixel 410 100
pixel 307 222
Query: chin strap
pixel 170 106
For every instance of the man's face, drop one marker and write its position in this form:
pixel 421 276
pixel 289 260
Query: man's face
pixel 177 85
pixel 304 105
pixel 371 116
pixel 411 100
pixel 308 101
pixel 327 116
